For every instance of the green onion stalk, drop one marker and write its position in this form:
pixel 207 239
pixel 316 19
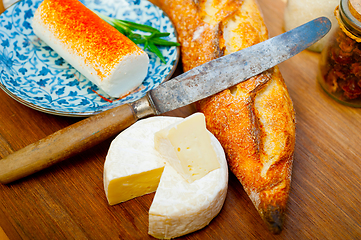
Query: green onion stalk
pixel 150 41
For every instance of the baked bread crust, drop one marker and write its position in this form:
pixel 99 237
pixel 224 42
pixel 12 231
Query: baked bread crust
pixel 255 126
pixel 254 120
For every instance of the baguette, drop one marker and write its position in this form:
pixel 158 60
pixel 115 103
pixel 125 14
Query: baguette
pixel 254 120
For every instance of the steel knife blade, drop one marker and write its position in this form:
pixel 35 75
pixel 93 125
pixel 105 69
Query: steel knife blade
pixel 222 73
pixel 189 87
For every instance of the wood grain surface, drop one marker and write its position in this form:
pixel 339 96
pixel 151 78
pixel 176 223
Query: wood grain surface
pixel 67 201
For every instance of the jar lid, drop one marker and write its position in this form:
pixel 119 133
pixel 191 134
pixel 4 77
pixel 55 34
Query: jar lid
pixel 355 8
pixel 348 15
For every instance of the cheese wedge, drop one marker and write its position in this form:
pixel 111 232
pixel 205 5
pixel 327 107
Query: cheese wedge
pixel 93 47
pixel 178 207
pixel 187 147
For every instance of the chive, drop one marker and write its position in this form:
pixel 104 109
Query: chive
pixel 163 42
pixel 141 27
pixel 159 34
pixel 155 50
pixel 127 28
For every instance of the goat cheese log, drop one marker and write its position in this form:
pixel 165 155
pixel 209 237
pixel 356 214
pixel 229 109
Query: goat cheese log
pixel 92 46
pixel 255 120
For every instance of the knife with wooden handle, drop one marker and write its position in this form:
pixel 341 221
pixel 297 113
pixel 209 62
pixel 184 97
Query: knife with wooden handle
pixel 189 87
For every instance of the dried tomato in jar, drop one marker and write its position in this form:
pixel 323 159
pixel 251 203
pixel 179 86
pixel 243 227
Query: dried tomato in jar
pixel 340 63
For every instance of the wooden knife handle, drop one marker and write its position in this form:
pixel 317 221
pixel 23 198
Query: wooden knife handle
pixel 66 143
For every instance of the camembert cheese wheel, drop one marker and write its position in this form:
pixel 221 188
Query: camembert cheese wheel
pixel 133 167
pixel 187 147
pixel 96 49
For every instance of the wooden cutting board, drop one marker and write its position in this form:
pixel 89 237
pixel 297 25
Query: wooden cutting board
pixel 67 201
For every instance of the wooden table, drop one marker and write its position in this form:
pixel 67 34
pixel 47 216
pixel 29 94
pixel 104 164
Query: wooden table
pixel 67 201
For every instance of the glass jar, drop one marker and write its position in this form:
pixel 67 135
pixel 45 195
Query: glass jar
pixel 340 63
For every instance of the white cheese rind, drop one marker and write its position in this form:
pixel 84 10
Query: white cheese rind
pixel 123 78
pixel 132 152
pixel 178 207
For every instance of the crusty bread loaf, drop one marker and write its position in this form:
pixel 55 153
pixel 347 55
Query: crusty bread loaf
pixel 255 120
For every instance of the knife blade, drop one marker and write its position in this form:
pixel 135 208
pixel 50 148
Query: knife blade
pixel 198 83
pixel 222 73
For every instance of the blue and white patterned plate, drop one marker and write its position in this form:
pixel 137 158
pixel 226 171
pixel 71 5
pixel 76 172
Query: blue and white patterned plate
pixel 35 75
